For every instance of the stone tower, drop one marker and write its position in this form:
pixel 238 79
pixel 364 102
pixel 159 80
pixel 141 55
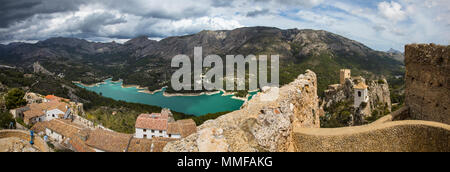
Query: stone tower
pixel 361 94
pixel 345 73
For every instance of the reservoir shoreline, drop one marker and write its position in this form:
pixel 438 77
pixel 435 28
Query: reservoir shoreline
pixel 197 104
pixel 147 91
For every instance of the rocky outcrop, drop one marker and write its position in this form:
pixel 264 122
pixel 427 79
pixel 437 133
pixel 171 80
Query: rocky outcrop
pixel 263 124
pixel 428 82
pixel 379 98
pixel 379 94
pixel 337 93
pixel 38 68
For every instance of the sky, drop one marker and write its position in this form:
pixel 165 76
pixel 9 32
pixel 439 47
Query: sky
pixel 379 24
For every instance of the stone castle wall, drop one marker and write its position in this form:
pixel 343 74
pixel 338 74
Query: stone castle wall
pixel 393 136
pixel 427 92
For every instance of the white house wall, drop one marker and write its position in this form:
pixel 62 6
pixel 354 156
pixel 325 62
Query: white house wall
pixel 364 97
pixel 140 134
pixel 53 114
pixel 53 135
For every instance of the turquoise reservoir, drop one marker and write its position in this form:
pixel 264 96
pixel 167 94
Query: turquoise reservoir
pixel 194 105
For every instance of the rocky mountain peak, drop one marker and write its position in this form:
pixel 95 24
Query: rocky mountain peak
pixel 140 42
pixel 394 51
pixel 395 54
pixel 62 41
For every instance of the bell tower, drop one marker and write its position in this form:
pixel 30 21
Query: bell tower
pixel 361 94
pixel 344 74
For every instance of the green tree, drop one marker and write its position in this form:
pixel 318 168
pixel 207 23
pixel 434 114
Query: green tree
pixel 14 98
pixel 6 119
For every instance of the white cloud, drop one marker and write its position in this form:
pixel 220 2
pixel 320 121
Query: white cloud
pixel 393 11
pixel 319 19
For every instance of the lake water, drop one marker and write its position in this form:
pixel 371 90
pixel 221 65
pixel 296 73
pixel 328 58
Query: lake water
pixel 194 105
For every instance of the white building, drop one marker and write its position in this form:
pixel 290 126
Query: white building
pixel 39 112
pixel 152 125
pixel 57 130
pixel 361 94
pixel 159 125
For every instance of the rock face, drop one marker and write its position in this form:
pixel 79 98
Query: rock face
pixel 428 82
pixel 338 93
pixel 261 124
pixel 37 68
pixel 379 94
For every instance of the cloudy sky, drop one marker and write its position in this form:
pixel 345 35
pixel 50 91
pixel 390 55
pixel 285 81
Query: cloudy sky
pixel 380 24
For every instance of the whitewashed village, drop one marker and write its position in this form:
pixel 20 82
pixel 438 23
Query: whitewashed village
pixel 59 122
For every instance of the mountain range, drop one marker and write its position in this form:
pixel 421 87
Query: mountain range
pixel 145 62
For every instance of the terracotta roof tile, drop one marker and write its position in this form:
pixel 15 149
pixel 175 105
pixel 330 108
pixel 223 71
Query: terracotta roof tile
pixel 360 86
pixel 33 113
pixel 187 126
pixel 79 145
pixel 183 127
pixel 149 145
pixel 38 109
pixel 108 141
pixel 65 128
pixel 173 128
pixel 55 98
pixel 154 121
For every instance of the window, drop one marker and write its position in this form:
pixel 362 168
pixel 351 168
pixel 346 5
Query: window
pixel 170 135
pixel 145 130
pixel 160 131
pixel 153 131
pixel 359 93
pixel 145 136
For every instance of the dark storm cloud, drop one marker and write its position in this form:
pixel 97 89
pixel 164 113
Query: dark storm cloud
pixel 379 28
pixel 292 3
pixel 12 11
pixel 161 9
pixel 91 24
pixel 164 14
pixel 222 3
pixel 258 13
